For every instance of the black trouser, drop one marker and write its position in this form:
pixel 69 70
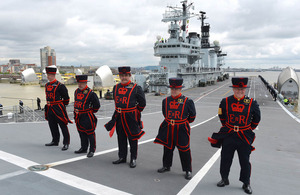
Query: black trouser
pixel 87 140
pixel 229 146
pixel 53 122
pixel 185 158
pixel 122 142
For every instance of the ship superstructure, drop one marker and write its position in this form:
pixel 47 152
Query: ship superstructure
pixel 188 56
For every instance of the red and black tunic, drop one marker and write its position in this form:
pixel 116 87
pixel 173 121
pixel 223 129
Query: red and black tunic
pixel 85 105
pixel 238 116
pixel 130 101
pixel 179 112
pixel 57 98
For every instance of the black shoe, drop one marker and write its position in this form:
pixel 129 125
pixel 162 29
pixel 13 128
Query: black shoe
pixel 247 188
pixel 223 182
pixel 121 160
pixel 163 169
pixel 132 163
pixel 51 144
pixel 90 154
pixel 81 150
pixel 188 175
pixel 65 147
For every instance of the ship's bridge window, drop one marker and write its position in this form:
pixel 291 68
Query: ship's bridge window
pixel 163 56
pixel 160 46
pixel 164 46
pixel 167 56
pixel 169 45
pixel 173 45
pixel 178 45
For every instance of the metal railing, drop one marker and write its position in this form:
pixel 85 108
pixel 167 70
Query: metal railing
pixel 19 113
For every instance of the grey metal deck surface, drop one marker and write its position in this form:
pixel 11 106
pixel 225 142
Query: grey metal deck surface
pixel 275 162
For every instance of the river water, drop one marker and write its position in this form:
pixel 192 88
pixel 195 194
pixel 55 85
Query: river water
pixel 10 94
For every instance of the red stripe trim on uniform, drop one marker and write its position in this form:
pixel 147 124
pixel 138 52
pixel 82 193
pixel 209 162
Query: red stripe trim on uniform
pixel 167 137
pixel 130 95
pixel 124 72
pixel 86 98
pixel 249 108
pixel 166 110
pixel 176 97
pixel 174 86
pixel 183 107
pixel 115 92
pixel 126 83
pixel 50 72
pixel 186 128
pixel 176 122
pixel 245 138
pixel 55 90
pixel 63 114
pixel 53 81
pixel 81 81
pixel 57 115
pixel 132 109
pixel 239 86
pixel 227 108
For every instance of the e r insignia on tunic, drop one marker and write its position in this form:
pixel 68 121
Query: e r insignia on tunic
pixel 85 91
pixel 180 100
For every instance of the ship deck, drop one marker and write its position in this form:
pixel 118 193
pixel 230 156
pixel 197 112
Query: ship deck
pixel 275 162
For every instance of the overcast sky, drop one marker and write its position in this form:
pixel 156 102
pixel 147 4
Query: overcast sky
pixel 254 33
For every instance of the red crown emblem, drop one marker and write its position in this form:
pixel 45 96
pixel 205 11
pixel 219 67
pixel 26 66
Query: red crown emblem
pixel 80 96
pixel 49 88
pixel 122 91
pixel 174 105
pixel 237 107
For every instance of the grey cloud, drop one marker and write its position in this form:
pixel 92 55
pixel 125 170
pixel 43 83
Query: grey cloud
pixel 120 32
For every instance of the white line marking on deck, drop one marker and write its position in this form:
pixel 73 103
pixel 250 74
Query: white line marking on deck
pixel 65 178
pixel 83 184
pixel 210 92
pixel 113 149
pixel 204 121
pixel 191 185
pixel 12 174
pixel 288 112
